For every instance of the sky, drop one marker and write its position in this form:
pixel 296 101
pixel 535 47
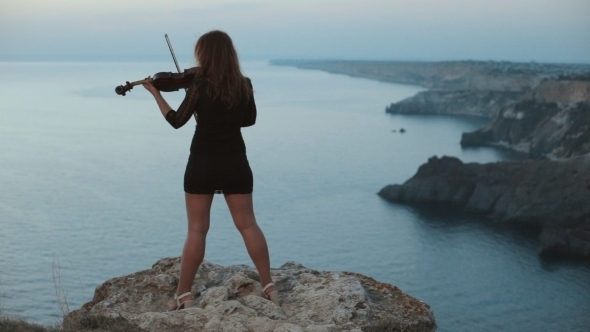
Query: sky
pixel 424 30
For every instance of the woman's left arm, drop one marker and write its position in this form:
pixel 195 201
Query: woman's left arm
pixel 162 103
pixel 185 110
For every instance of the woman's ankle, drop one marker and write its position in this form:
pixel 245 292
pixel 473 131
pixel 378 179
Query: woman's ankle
pixel 183 291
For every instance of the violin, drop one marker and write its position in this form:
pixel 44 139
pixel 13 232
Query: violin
pixel 163 81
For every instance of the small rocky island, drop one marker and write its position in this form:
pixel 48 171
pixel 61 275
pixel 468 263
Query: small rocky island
pixel 228 299
pixel 539 110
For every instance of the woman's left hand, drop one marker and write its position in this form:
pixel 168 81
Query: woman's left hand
pixel 162 104
pixel 148 86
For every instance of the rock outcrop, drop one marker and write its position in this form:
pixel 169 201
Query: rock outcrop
pixel 539 127
pixel 228 300
pixel 456 102
pixel 548 118
pixel 552 194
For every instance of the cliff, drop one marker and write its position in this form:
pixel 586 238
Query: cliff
pixel 456 102
pixel 227 299
pixel 527 102
pixel 552 120
pixel 538 129
pixel 551 194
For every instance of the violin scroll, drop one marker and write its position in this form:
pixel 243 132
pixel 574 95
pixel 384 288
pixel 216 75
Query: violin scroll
pixel 122 89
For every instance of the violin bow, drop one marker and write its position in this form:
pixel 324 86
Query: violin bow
pixel 172 52
pixel 175 62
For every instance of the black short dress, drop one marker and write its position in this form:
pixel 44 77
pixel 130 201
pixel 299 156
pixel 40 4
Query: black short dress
pixel 217 161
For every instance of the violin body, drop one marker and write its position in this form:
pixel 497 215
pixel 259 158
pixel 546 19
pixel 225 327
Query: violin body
pixel 163 81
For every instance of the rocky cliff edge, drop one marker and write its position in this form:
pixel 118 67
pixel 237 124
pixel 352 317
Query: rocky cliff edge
pixel 551 194
pixel 227 299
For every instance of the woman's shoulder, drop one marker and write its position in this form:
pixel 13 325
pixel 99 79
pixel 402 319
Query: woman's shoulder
pixel 199 79
pixel 248 81
pixel 199 82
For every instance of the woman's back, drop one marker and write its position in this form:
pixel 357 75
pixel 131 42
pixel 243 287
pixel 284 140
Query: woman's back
pixel 218 128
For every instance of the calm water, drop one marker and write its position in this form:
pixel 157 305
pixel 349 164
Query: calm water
pixel 91 187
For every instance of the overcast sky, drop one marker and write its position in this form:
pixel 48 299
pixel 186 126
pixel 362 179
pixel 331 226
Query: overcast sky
pixel 513 30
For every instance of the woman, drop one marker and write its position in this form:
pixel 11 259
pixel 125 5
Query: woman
pixel 223 101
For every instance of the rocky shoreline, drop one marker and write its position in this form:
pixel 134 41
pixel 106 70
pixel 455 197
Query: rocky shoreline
pixel 541 111
pixel 228 299
pixel 553 195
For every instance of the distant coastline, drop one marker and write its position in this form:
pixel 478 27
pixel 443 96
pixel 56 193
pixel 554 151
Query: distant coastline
pixel 539 110
pixel 510 94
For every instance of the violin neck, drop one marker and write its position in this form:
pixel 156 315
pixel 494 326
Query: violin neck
pixel 138 82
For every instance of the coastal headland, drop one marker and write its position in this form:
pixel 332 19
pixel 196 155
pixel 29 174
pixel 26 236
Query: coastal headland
pixel 552 195
pixel 539 110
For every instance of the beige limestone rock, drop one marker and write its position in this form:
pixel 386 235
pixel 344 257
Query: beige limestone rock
pixel 562 91
pixel 227 298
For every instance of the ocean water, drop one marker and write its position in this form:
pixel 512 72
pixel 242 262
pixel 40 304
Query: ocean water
pixel 91 188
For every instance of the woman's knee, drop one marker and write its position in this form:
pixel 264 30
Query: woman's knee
pixel 245 223
pixel 198 232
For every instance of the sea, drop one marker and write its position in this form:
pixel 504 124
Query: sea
pixel 91 189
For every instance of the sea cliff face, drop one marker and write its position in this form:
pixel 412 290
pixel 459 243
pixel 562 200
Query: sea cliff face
pixel 227 298
pixel 552 120
pixel 538 129
pixel 457 102
pixel 551 194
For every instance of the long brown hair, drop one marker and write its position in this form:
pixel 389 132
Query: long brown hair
pixel 218 63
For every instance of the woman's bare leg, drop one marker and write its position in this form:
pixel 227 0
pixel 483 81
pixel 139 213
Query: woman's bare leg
pixel 242 212
pixel 198 208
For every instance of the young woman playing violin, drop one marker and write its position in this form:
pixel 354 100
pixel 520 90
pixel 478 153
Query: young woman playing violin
pixel 223 101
